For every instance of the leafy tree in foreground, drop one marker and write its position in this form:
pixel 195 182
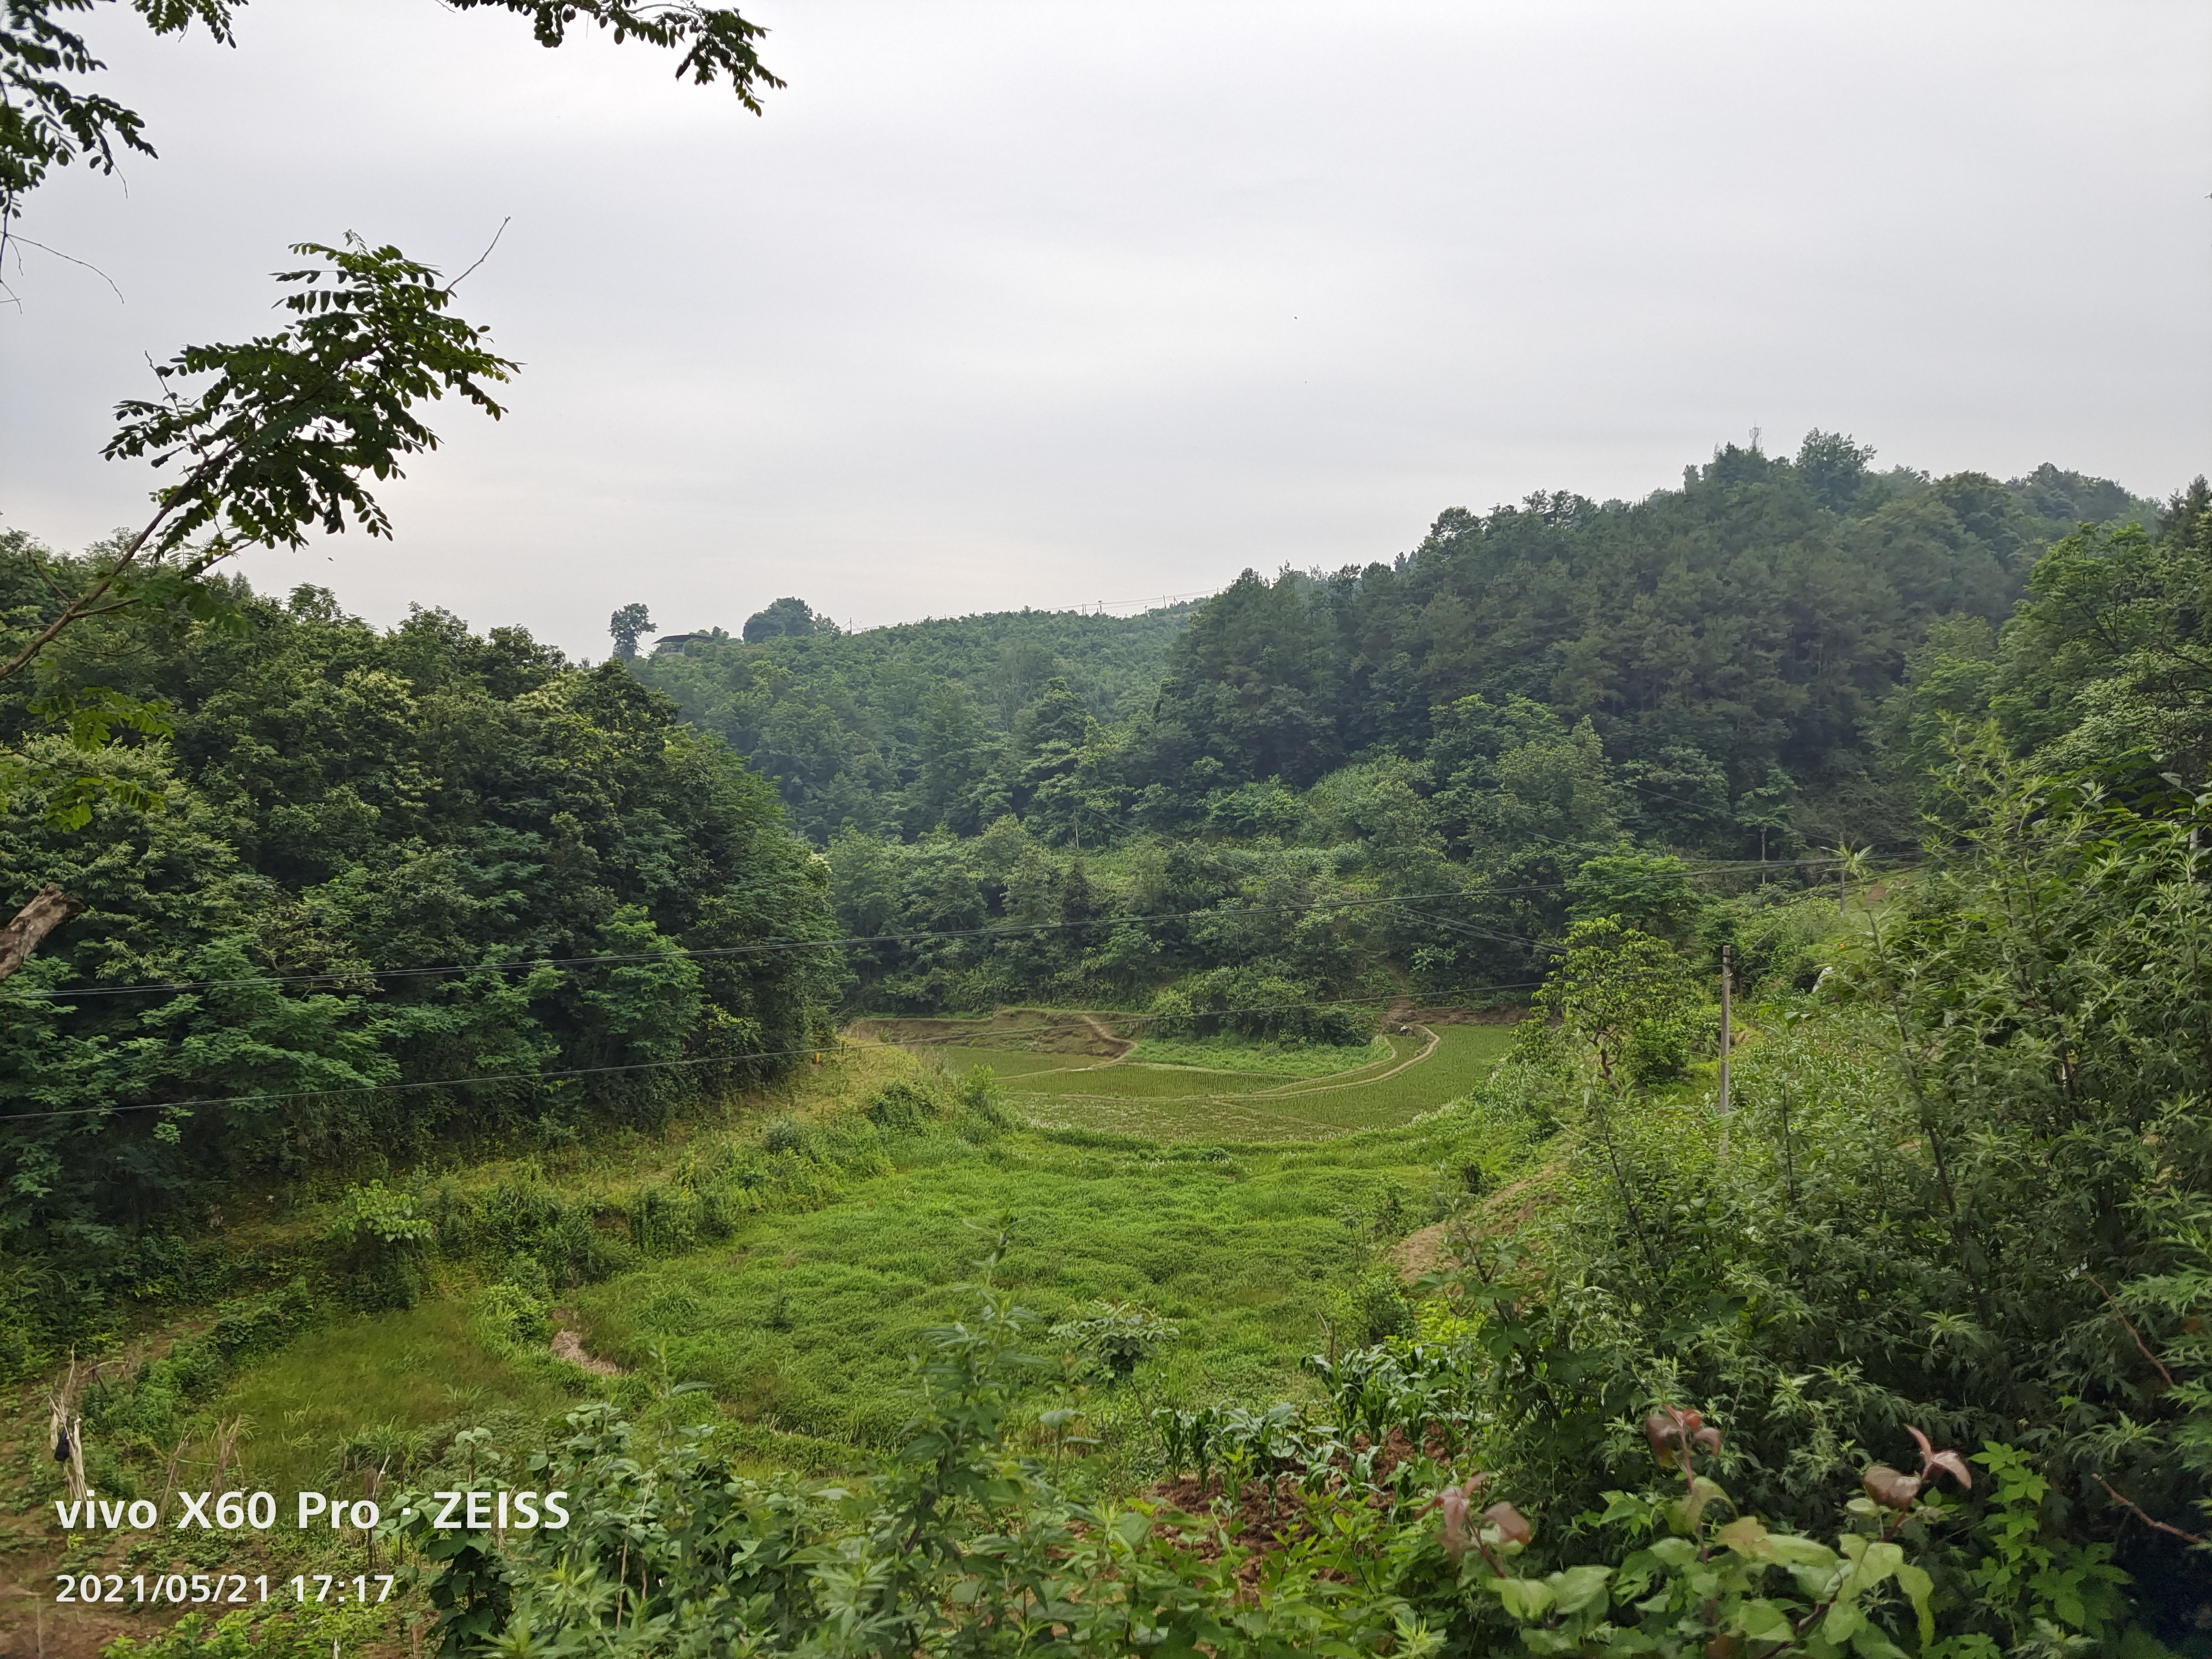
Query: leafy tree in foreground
pixel 50 117
pixel 275 441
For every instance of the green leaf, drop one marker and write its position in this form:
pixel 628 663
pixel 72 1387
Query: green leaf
pixel 1763 1621
pixel 1526 1599
pixel 1918 1588
pixel 1578 1587
pixel 1746 1536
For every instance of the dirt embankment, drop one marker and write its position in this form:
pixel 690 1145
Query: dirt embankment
pixel 1024 1030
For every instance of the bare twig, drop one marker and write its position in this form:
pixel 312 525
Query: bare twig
pixel 2127 1503
pixel 2142 1347
pixel 16 237
pixel 485 255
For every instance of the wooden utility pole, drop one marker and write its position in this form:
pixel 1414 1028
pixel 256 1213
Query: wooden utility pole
pixel 1728 1035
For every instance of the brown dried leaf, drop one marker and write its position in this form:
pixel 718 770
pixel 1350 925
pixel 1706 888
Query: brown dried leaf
pixel 1512 1526
pixel 1669 1430
pixel 1954 1465
pixel 1890 1488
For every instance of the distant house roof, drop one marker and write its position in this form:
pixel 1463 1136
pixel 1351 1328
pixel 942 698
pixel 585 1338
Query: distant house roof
pixel 667 640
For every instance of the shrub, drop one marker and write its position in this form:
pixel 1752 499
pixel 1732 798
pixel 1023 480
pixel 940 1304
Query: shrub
pixel 1373 1309
pixel 984 1115
pixel 904 1105
pixel 510 1315
pixel 1660 1048
pixel 785 1135
pixel 1114 1338
pixel 377 1242
pixel 1260 1005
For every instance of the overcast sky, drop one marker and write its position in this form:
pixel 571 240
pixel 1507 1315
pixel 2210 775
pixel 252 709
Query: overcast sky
pixel 1051 302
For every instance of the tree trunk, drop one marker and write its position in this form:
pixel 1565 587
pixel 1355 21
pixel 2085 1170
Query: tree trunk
pixel 48 911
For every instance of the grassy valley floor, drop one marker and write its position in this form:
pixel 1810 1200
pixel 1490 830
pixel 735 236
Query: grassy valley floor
pixel 1238 1200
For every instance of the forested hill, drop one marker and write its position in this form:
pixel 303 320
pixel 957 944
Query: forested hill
pixel 1735 646
pixel 895 730
pixel 373 892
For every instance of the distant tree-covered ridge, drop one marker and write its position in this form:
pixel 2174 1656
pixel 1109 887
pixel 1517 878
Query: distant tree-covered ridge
pixel 1724 653
pixel 394 879
pixel 897 730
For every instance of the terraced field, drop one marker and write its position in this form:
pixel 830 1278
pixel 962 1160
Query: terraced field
pixel 1426 1069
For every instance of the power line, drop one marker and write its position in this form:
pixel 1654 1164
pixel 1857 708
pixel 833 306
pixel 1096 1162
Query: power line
pixel 339 978
pixel 660 1065
pixel 1007 930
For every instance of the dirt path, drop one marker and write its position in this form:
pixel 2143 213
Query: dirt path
pixel 1350 1079
pixel 568 1345
pixel 1121 1045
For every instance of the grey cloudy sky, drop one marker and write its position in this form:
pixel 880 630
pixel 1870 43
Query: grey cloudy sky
pixel 1042 303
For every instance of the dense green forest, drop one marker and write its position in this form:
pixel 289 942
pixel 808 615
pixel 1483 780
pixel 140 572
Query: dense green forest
pixel 378 860
pixel 1734 644
pixel 1731 673
pixel 897 730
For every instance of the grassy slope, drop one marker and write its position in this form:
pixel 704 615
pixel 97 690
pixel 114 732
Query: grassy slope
pixel 400 1370
pixel 803 1320
pixel 806 1321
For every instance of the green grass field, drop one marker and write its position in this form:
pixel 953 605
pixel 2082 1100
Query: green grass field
pixel 1202 1204
pixel 1010 1064
pixel 1271 1058
pixel 805 1322
pixel 1176 1104
pixel 401 1372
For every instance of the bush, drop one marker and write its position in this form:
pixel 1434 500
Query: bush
pixel 248 1325
pixel 510 1315
pixel 903 1106
pixel 984 1115
pixel 1781 945
pixel 1259 1006
pixel 1114 1338
pixel 1372 1309
pixel 785 1135
pixel 1660 1049
pixel 377 1243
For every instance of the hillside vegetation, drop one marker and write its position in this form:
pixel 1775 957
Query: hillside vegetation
pixel 1732 645
pixel 1149 1306
pixel 379 862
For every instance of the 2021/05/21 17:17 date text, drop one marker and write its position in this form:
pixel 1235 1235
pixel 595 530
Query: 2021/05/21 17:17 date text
pixel 225 1590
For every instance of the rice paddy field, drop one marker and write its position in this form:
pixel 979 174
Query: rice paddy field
pixel 1246 1099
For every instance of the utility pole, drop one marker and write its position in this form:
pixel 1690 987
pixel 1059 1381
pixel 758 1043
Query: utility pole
pixel 1727 1036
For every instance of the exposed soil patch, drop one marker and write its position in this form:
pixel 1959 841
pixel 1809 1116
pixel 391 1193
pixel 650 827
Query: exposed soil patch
pixel 568 1346
pixel 1022 1030
pixel 1419 1253
pixel 1509 1208
pixel 1512 1016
